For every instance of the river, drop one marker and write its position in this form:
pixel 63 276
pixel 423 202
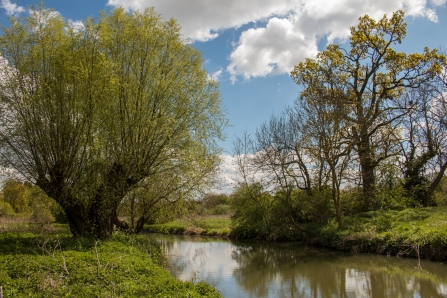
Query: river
pixel 253 269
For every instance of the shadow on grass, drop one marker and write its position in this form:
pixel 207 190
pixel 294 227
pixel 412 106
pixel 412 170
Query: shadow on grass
pixel 42 243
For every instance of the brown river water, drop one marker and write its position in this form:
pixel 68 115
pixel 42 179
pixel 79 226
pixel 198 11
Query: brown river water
pixel 255 269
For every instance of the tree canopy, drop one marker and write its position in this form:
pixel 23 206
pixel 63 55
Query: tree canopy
pixel 366 81
pixel 92 114
pixel 360 135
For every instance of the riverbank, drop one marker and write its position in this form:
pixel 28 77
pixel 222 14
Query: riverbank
pixel 46 261
pixel 208 225
pixel 417 233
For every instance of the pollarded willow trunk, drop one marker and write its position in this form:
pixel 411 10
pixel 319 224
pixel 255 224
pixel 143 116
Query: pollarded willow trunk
pixel 90 227
pixel 95 216
pixel 92 223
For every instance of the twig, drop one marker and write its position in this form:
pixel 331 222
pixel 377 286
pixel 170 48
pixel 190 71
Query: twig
pixel 97 259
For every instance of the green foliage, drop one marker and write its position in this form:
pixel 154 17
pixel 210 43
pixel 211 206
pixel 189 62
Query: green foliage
pixel 304 207
pixel 410 232
pixel 441 193
pixel 212 200
pixel 360 85
pixel 252 211
pixel 261 215
pixel 120 110
pixel 195 225
pixel 211 204
pixel 221 209
pixel 17 195
pixel 31 202
pixel 6 209
pixel 60 266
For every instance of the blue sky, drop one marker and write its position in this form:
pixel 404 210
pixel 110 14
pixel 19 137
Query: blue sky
pixel 251 46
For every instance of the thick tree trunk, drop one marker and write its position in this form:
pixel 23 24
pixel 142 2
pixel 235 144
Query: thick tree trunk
pixel 367 163
pixel 98 218
pixel 96 223
pixel 368 178
pixel 369 185
pixel 139 225
pixel 76 221
pixel 434 184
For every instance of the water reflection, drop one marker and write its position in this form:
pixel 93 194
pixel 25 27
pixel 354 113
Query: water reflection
pixel 250 269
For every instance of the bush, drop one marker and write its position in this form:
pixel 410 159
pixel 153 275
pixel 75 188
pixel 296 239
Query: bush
pixel 42 216
pixel 252 211
pixel 221 209
pixel 6 209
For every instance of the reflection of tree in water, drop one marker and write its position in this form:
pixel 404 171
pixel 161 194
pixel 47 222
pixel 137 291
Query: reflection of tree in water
pixel 260 266
pixel 294 271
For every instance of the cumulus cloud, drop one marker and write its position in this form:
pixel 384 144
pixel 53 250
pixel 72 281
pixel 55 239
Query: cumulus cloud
pixel 215 76
pixel 284 42
pixel 270 50
pixel 76 25
pixel 284 32
pixel 227 175
pixel 438 2
pixel 202 19
pixel 11 8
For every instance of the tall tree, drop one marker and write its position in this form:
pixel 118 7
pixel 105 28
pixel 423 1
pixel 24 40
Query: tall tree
pixel 89 115
pixel 367 79
pixel 423 138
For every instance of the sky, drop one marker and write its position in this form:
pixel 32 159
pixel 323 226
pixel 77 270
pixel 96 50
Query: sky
pixel 250 47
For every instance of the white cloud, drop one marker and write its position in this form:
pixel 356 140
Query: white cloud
pixel 201 19
pixel 11 8
pixel 76 25
pixel 227 175
pixel 215 76
pixel 270 50
pixel 290 29
pixel 286 41
pixel 438 2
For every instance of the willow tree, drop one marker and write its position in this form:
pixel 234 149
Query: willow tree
pixel 367 79
pixel 90 114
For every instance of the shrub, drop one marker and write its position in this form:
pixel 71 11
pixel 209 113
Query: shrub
pixel 42 216
pixel 6 209
pixel 252 207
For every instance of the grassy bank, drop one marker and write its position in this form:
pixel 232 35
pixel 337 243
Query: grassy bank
pixel 209 225
pixel 417 233
pixel 53 264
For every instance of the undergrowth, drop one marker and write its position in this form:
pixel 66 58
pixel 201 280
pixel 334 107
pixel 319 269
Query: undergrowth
pixel 418 233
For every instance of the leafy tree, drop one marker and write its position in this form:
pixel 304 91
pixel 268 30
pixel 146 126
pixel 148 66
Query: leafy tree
pixel 423 136
pixel 17 195
pixel 91 115
pixel 367 79
pixel 212 200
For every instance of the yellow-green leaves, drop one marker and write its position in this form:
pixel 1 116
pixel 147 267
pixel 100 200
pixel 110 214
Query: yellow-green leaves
pixel 94 112
pixel 366 80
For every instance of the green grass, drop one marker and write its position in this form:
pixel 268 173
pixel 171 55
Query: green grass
pixel 411 232
pixel 418 233
pixel 57 265
pixel 198 225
